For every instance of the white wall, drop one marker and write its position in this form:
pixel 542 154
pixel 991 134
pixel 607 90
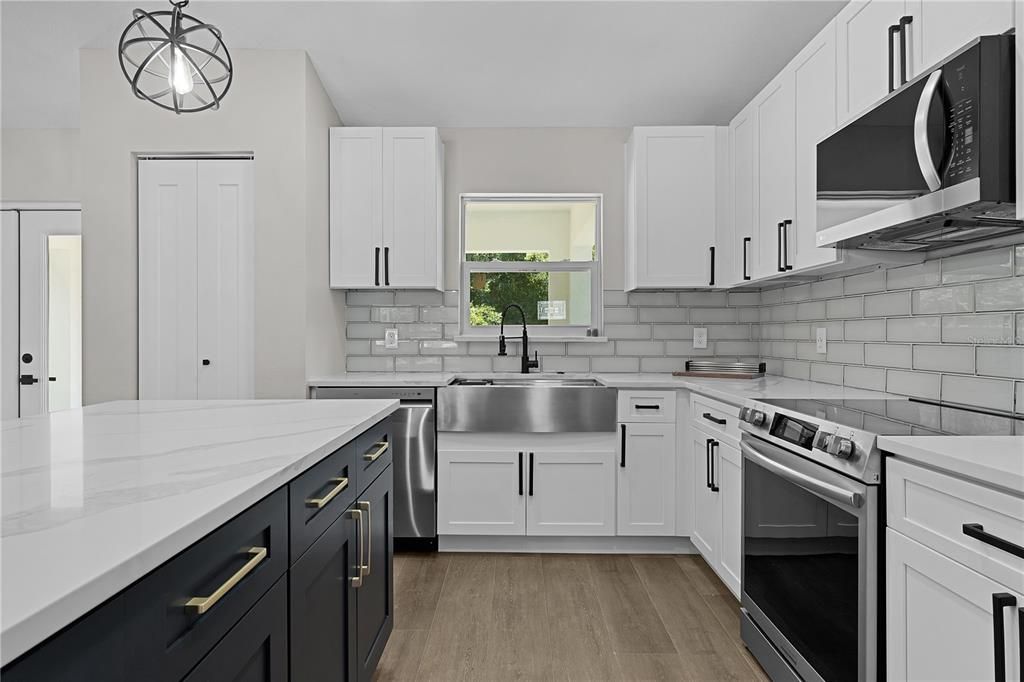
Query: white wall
pixel 537 160
pixel 40 164
pixel 265 113
pixel 325 308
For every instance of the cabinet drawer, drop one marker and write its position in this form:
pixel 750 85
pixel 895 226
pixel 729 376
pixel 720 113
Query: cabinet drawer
pixel 647 406
pixel 319 496
pixel 932 508
pixel 715 418
pixel 177 613
pixel 373 453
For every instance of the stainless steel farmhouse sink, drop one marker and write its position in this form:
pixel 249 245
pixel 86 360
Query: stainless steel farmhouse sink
pixel 524 404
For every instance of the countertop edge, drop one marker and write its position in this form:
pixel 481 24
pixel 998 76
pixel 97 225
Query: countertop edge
pixel 924 451
pixel 20 637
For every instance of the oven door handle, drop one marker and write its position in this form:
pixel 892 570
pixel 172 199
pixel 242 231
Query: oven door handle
pixel 924 154
pixel 848 497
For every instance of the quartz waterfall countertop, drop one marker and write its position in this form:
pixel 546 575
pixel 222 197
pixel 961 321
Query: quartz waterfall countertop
pixel 94 498
pixel 734 391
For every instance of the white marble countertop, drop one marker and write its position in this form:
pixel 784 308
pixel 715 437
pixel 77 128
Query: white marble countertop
pixel 995 460
pixel 734 391
pixel 95 498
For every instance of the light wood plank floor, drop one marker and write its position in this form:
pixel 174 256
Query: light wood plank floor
pixel 563 617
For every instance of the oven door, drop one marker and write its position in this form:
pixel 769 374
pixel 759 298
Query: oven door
pixel 810 562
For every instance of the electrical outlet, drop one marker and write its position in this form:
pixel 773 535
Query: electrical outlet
pixel 820 340
pixel 700 337
pixel 391 339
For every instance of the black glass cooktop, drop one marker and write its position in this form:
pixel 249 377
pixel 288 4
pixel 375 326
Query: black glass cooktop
pixel 907 416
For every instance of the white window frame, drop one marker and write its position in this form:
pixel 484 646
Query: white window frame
pixel 542 332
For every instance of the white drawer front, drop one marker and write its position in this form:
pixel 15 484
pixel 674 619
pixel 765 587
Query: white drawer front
pixel 647 406
pixel 932 508
pixel 715 418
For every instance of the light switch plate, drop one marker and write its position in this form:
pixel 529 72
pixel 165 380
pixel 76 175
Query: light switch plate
pixel 700 337
pixel 820 340
pixel 391 339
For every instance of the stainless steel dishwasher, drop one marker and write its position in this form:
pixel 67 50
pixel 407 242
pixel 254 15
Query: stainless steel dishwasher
pixel 413 457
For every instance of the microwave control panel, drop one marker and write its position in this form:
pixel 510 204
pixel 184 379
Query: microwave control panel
pixel 960 105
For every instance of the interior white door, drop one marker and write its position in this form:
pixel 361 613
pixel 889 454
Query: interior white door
pixel 9 315
pixel 729 479
pixel 571 492
pixel 412 201
pixel 862 37
pixel 168 280
pixel 776 171
pixel 743 152
pixel 707 509
pixel 481 492
pixel 647 480
pixel 225 260
pixel 939 617
pixel 814 86
pixel 356 221
pixel 50 300
pixel 941 27
pixel 675 206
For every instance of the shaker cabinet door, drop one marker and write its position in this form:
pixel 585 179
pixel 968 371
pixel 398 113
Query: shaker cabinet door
pixel 647 480
pixel 481 492
pixel 412 201
pixel 356 219
pixel 863 57
pixel 375 598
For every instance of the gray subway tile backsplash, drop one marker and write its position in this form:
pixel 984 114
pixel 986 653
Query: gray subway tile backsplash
pixel 904 330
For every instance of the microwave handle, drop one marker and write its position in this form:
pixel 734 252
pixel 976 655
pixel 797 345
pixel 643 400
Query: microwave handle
pixel 893 30
pixel 924 154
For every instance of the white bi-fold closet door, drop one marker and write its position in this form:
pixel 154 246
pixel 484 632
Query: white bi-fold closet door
pixel 196 304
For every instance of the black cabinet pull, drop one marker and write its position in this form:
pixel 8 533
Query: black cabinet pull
pixel 53 378
pixel 206 362
pixel 1000 600
pixel 707 462
pixel 712 282
pixel 376 267
pixel 622 460
pixel 1020 636
pixel 893 30
pixel 714 486
pixel 785 244
pixel 520 473
pixel 531 474
pixel 387 266
pixel 712 418
pixel 977 531
pixel 903 47
pixel 647 407
pixel 778 237
pixel 746 244
pixel 27 380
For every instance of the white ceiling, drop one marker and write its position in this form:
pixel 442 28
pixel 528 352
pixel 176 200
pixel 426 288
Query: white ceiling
pixel 457 64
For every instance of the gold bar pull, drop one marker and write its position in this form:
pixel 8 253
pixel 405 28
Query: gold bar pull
pixel 200 605
pixel 320 502
pixel 365 568
pixel 357 579
pixel 382 447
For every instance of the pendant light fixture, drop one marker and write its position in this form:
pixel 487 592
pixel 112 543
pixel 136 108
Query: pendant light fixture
pixel 174 60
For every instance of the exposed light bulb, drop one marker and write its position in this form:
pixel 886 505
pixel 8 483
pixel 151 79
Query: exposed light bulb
pixel 180 75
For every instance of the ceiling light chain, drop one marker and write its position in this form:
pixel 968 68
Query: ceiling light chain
pixel 174 60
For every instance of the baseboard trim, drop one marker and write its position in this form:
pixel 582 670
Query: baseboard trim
pixel 565 545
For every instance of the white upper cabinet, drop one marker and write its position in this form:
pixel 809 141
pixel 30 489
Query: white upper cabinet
pixel 671 206
pixel 386 208
pixel 941 27
pixel 776 174
pixel 739 237
pixel 864 39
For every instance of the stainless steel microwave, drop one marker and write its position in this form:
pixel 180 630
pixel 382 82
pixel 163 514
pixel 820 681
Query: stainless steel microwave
pixel 929 166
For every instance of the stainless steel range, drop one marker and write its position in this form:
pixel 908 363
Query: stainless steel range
pixel 813 516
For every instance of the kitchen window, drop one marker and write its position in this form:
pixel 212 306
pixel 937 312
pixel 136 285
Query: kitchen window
pixel 540 251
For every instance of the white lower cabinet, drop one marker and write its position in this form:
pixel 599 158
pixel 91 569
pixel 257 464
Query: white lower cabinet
pixel 729 476
pixel 707 504
pixel 526 484
pixel 647 479
pixel 941 617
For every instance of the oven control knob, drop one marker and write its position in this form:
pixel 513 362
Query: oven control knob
pixel 757 417
pixel 840 447
pixel 746 414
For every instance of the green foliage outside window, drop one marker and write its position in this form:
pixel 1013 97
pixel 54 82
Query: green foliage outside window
pixel 490 292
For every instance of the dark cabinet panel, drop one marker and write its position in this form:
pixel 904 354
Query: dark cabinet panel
pixel 373 452
pixel 256 649
pixel 375 597
pixel 319 496
pixel 323 628
pixel 180 610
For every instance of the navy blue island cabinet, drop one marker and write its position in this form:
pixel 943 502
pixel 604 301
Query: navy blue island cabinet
pixel 297 587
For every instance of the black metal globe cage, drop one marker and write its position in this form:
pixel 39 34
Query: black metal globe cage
pixel 174 60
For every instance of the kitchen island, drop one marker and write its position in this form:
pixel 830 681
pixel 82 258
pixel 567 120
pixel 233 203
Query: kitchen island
pixel 114 503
